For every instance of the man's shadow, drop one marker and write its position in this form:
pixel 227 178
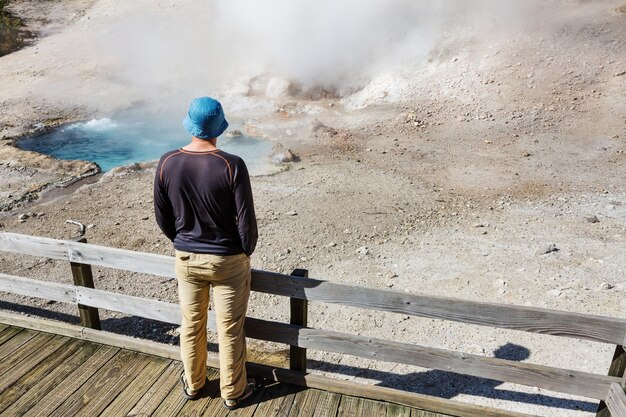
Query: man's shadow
pixel 445 384
pixel 448 384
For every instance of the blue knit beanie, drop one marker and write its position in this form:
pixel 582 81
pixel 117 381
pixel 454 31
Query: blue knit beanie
pixel 205 118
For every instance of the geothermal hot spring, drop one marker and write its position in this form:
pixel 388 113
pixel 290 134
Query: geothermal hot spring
pixel 130 138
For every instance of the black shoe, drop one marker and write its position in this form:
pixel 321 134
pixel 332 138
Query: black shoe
pixel 253 389
pixel 197 394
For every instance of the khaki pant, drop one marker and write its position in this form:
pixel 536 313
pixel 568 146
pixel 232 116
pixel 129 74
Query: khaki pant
pixel 230 278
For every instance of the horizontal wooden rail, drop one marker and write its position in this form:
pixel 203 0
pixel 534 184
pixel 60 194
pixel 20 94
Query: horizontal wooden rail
pixel 555 379
pixel 64 293
pixel 616 401
pixel 85 253
pixel 529 319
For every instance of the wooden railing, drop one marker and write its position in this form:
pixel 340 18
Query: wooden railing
pixel 609 389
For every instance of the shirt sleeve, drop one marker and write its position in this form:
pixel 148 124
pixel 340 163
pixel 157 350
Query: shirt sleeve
pixel 244 204
pixel 163 211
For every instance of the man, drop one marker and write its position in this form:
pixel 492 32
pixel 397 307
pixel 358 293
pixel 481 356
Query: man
pixel 203 204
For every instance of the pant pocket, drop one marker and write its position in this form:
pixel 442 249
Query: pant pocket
pixel 182 264
pixel 183 256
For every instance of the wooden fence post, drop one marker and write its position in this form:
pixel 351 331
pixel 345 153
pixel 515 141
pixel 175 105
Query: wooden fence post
pixel 83 277
pixel 617 368
pixel 299 316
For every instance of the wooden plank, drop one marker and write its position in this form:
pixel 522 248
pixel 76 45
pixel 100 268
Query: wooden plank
pixel 82 276
pixel 421 401
pixel 7 334
pixel 143 307
pixel 21 353
pixel 88 254
pixel 373 408
pixel 20 321
pixel 350 407
pixel 530 319
pixel 37 288
pixel 321 404
pixel 32 390
pixel 153 398
pixel 299 309
pixel 328 404
pixel 299 402
pixel 32 245
pixel 98 336
pixel 112 385
pixel 136 306
pixel 96 387
pixel 3 327
pixel 277 400
pixel 555 379
pixel 617 368
pixel 396 410
pixel 134 391
pixel 30 362
pixel 136 344
pixel 126 260
pixel 423 413
pixel 72 383
pixel 172 403
pixel 214 408
pixel 616 401
pixel 153 309
pixel 36 375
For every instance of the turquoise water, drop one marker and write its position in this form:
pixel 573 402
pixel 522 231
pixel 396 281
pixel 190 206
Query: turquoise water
pixel 122 141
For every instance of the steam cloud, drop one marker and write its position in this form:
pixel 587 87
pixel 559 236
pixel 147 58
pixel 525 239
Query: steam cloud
pixel 333 44
pixel 180 48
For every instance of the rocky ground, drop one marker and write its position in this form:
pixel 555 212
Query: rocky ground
pixel 492 173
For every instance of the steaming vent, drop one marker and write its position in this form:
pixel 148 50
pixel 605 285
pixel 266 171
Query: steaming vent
pixel 275 87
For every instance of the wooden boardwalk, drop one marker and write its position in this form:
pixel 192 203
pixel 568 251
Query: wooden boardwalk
pixel 43 374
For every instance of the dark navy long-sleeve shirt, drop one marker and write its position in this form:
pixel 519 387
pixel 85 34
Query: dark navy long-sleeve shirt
pixel 203 202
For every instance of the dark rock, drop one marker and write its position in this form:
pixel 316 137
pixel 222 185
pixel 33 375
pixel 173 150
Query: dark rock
pixel 317 125
pixel 235 133
pixel 548 249
pixel 281 155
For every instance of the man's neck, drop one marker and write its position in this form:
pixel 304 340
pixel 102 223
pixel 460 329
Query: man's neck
pixel 201 144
